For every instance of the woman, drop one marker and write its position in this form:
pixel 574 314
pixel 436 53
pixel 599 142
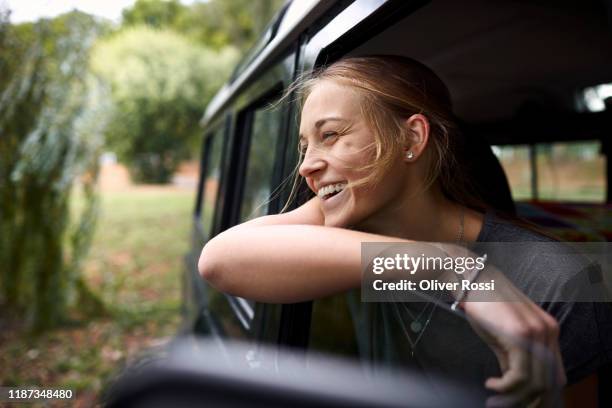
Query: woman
pixel 378 144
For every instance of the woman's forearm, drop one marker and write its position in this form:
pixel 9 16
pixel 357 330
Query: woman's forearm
pixel 285 263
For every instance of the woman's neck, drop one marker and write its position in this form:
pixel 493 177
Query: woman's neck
pixel 429 216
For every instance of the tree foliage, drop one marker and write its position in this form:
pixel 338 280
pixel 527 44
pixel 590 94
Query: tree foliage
pixel 152 78
pixel 215 23
pixel 160 84
pixel 158 14
pixel 50 135
pixel 163 66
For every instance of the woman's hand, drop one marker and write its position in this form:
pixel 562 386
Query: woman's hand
pixel 525 340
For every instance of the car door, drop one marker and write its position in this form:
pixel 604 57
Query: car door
pixel 242 168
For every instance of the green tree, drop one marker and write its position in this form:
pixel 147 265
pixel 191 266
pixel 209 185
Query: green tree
pixel 154 13
pixel 49 136
pixel 216 23
pixel 160 84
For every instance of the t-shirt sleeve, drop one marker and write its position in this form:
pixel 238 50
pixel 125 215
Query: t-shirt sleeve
pixel 585 332
pixel 585 337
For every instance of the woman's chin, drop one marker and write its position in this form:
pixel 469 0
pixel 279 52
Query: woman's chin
pixel 330 222
pixel 339 212
pixel 335 221
pixel 338 221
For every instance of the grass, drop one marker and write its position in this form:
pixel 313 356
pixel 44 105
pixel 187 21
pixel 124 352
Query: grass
pixel 134 265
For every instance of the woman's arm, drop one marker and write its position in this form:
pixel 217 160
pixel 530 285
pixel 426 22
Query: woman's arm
pixel 308 213
pixel 291 258
pixel 286 258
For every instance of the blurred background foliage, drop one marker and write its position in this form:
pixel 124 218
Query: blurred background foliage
pixel 50 134
pixel 158 80
pixel 102 270
pixel 215 23
pixel 76 85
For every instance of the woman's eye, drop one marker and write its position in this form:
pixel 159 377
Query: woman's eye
pixel 303 148
pixel 327 135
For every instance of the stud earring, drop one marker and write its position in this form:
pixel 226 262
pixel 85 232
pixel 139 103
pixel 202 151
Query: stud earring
pixel 409 155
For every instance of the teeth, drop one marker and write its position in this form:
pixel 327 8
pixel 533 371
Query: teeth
pixel 330 188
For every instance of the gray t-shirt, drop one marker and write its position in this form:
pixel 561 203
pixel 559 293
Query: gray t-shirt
pixel 585 327
pixel 447 344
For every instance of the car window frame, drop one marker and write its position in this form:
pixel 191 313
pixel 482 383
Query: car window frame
pixel 194 289
pixel 262 322
pixel 217 130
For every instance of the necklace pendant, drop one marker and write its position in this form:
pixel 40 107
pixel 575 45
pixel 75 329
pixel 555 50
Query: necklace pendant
pixel 416 326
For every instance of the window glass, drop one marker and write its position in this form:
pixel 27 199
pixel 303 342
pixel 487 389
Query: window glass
pixel 212 166
pixel 571 172
pixel 425 337
pixel 515 161
pixel 565 171
pixel 225 317
pixel 260 163
pixel 332 329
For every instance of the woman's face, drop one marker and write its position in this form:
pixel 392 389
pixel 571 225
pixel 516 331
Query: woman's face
pixel 337 143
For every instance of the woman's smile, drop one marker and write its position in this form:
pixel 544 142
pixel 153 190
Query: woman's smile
pixel 329 190
pixel 334 199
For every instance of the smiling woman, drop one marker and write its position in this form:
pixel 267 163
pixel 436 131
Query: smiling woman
pixel 380 152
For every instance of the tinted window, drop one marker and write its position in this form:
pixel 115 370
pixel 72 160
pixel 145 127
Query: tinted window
pixel 563 172
pixel 332 329
pixel 212 168
pixel 571 172
pixel 265 137
pixel 516 164
pixel 421 336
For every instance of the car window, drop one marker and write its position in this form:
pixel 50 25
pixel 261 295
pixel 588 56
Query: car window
pixel 265 136
pixel 562 171
pixel 571 172
pixel 332 329
pixel 423 336
pixel 426 337
pixel 515 161
pixel 212 175
pixel 225 319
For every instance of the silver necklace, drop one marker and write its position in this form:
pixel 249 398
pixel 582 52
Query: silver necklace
pixel 420 329
pixel 461 227
pixel 416 326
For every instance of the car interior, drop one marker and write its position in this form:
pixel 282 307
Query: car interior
pixel 520 74
pixel 517 71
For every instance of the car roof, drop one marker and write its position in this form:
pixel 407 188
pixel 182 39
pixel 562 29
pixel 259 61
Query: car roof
pixel 510 53
pixel 296 17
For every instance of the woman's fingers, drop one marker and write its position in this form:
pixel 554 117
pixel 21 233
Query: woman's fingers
pixel 525 341
pixel 540 339
pixel 516 376
pixel 559 377
pixel 525 381
pixel 548 372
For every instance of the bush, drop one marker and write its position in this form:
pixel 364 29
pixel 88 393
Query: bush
pixel 50 136
pixel 160 84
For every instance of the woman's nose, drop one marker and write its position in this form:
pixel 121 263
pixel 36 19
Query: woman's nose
pixel 311 164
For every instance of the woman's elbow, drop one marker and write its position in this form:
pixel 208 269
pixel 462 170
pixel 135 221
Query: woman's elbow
pixel 209 265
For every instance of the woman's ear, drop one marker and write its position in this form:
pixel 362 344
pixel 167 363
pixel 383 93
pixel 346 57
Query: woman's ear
pixel 417 127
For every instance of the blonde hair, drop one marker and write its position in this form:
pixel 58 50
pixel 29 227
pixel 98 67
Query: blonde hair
pixel 393 88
